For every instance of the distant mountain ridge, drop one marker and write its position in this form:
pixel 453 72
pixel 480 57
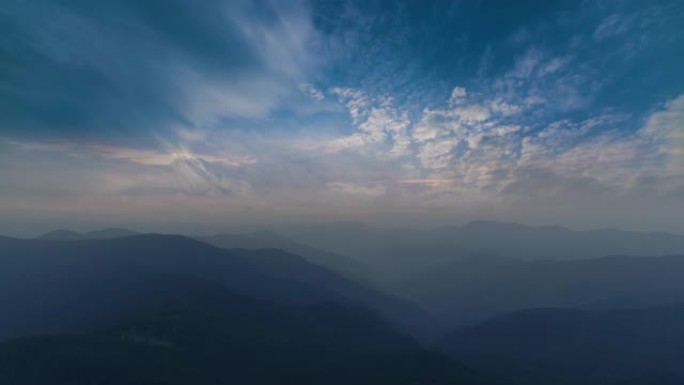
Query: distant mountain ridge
pixel 403 252
pixel 268 239
pixel 68 235
pixel 254 240
pixel 480 287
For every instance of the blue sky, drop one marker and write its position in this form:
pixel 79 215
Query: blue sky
pixel 391 112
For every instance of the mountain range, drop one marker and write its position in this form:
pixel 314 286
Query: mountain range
pixel 485 303
pixel 400 253
pixel 480 287
pixel 268 239
pixel 151 309
pixel 67 268
pixel 170 328
pixel 69 235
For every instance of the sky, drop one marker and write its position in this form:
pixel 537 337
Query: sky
pixel 402 113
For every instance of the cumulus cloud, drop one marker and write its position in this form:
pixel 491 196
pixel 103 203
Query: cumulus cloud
pixel 486 145
pixel 458 95
pixel 311 91
pixel 377 122
pixel 665 131
pixel 437 154
pixel 356 101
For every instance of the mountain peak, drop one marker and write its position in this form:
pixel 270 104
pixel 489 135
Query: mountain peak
pixel 484 224
pixel 112 232
pixel 70 235
pixel 61 235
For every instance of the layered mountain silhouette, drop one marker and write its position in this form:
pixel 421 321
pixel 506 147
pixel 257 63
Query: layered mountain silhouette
pixel 570 346
pixel 254 240
pixel 68 235
pixel 269 239
pixel 523 305
pixel 187 330
pixel 50 283
pixel 161 309
pixel 400 253
pixel 481 287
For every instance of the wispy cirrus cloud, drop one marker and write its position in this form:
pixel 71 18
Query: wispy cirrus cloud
pixel 141 156
pixel 123 69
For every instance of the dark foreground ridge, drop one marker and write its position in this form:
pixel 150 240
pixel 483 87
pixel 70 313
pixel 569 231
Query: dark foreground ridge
pixel 541 346
pixel 190 331
pixel 159 309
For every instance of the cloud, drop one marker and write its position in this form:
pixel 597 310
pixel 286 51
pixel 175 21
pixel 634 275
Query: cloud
pixel 356 101
pixel 437 154
pixel 356 189
pixel 304 109
pixel 482 148
pixel 141 156
pixel 377 122
pixel 199 177
pixel 311 91
pixel 613 159
pixel 427 182
pixel 482 144
pixel 458 94
pixel 124 69
pixel 664 130
pixel 611 26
